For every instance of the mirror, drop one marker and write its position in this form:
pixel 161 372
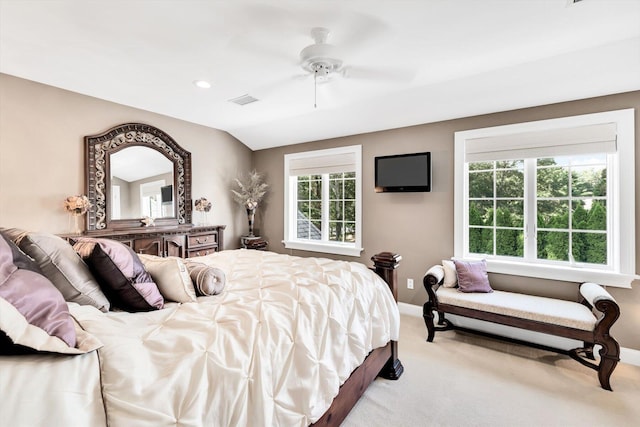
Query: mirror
pixel 135 171
pixel 141 184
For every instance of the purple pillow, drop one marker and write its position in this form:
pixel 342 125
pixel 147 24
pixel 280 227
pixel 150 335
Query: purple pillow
pixel 120 273
pixel 33 296
pixel 472 276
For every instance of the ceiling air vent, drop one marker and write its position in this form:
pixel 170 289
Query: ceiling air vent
pixel 243 100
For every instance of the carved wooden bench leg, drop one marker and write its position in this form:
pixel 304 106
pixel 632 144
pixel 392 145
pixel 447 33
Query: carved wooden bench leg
pixel 442 320
pixel 588 350
pixel 427 315
pixel 609 357
pixel 610 351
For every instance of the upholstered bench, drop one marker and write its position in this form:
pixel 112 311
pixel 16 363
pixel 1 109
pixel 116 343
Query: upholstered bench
pixel 588 321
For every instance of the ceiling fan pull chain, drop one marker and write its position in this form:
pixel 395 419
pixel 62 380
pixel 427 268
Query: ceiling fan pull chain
pixel 315 89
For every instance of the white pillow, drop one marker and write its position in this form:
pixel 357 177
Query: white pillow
pixel 171 276
pixel 450 275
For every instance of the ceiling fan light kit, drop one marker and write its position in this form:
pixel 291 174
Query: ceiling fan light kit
pixel 320 58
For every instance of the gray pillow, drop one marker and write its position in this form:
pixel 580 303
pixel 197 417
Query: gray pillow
pixel 64 268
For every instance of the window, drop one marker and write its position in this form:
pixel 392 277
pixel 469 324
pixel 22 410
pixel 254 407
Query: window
pixel 549 199
pixel 151 198
pixel 322 201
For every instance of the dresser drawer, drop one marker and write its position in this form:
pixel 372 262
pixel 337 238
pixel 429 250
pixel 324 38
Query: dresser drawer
pixel 202 252
pixel 202 240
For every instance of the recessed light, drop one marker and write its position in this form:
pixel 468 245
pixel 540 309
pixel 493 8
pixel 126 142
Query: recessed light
pixel 202 84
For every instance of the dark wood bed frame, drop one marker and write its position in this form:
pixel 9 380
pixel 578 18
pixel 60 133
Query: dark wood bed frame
pixel 382 361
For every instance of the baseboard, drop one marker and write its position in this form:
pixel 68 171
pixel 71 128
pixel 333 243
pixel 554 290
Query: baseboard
pixel 630 356
pixel 410 309
pixel 627 355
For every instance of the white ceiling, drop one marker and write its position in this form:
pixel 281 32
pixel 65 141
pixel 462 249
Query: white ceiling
pixel 424 60
pixel 137 162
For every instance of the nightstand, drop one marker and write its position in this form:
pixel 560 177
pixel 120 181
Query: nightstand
pixel 253 242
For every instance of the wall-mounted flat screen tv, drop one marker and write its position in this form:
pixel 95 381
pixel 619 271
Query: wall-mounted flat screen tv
pixel 403 173
pixel 166 193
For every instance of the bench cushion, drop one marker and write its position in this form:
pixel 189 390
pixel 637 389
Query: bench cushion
pixel 541 309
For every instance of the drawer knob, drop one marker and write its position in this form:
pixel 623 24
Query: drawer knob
pixel 202 241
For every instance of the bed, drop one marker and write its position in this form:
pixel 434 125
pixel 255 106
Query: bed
pixel 290 341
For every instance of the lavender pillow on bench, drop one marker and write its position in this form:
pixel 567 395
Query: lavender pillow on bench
pixel 472 276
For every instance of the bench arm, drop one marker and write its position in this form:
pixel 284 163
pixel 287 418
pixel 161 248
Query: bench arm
pixel 592 293
pixel 597 297
pixel 601 300
pixel 433 276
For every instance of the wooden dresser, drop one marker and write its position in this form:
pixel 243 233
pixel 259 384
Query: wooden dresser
pixel 181 241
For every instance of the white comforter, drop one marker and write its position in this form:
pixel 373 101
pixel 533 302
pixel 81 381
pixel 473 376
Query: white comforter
pixel 271 350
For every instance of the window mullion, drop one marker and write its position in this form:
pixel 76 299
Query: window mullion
pixel 613 211
pixel 325 207
pixel 495 209
pixel 292 207
pixel 530 209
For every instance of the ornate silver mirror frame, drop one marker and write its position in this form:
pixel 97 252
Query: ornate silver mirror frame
pixel 98 149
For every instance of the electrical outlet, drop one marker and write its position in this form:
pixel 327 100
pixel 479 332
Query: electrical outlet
pixel 409 283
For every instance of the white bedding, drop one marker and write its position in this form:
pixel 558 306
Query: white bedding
pixel 272 349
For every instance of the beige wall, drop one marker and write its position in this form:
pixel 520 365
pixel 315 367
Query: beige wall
pixel 42 155
pixel 42 162
pixel 419 226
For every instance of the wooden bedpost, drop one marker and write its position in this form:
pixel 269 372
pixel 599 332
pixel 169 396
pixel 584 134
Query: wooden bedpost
pixel 385 265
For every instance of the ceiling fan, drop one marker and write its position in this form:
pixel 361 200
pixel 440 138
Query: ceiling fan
pixel 323 61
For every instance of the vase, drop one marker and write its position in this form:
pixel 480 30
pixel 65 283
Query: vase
pixel 204 220
pixel 74 224
pixel 251 214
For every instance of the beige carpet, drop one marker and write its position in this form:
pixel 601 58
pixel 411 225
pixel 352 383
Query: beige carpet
pixel 463 379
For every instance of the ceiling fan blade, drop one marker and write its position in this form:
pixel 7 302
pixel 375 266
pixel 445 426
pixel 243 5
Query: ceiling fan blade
pixel 355 31
pixel 252 45
pixel 302 76
pixel 390 74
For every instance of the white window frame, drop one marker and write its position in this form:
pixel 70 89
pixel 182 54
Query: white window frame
pixel 621 189
pixel 290 204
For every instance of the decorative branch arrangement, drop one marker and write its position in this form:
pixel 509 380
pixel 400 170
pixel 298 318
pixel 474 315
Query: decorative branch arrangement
pixel 251 190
